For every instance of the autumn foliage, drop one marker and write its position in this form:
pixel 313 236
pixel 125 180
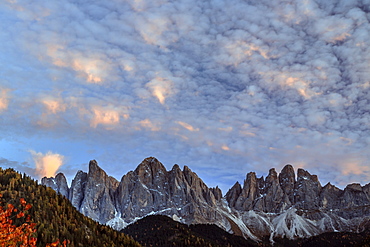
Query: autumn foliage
pixel 22 235
pixel 13 235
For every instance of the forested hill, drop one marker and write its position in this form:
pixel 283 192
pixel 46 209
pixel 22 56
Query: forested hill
pixel 162 231
pixel 54 215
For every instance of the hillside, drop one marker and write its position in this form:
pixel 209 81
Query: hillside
pixel 159 230
pixel 54 215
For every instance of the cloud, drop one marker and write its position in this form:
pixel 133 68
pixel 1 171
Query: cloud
pixel 161 88
pixel 148 124
pixel 92 67
pixel 47 164
pixel 105 116
pixel 334 29
pixel 54 106
pixel 245 84
pixel 4 99
pixel 187 126
pixel 356 169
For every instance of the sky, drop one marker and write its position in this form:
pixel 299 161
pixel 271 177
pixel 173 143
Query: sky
pixel 224 87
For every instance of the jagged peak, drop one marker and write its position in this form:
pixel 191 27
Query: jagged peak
pixel 59 176
pixel 217 193
pixel 80 172
pixel 95 172
pixel 302 173
pixel 47 181
pixel 233 194
pixel 188 172
pixel 150 159
pixel 176 167
pixel 287 171
pixel 287 180
pixel 272 173
pixel 272 178
pixel 190 176
pixel 152 165
pixel 330 186
pixel 187 169
pixel 251 175
pixel 236 187
pixel 305 175
pixel 94 167
pixel 288 168
pixel 354 186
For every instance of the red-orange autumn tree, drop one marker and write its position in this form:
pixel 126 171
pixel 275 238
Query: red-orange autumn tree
pixel 12 235
pixel 22 235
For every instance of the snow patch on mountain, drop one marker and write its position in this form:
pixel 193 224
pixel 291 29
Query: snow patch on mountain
pixel 291 225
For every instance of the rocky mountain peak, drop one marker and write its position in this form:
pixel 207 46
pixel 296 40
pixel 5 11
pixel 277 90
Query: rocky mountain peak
pixel 59 184
pixel 151 165
pixel 77 190
pixel 273 193
pixel 191 177
pixel 249 192
pixel 305 175
pixel 272 179
pixel 330 186
pixel 98 190
pixel 217 193
pixel 151 188
pixel 176 167
pixel 151 171
pixel 94 169
pixel 355 195
pixel 49 182
pixel 354 187
pixel 62 185
pixel 307 190
pixel 251 176
pixel 233 194
pixel 287 173
pixel 287 181
pixel 272 173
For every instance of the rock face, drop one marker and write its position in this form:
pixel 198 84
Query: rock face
pixel 179 193
pixel 77 190
pixel 98 200
pixel 59 184
pixel 280 205
pixel 277 193
pixel 298 208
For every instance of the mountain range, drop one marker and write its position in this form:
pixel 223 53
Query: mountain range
pixel 285 205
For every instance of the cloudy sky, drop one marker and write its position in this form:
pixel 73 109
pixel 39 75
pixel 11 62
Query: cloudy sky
pixel 225 87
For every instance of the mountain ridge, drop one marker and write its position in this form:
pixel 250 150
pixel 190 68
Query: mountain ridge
pixel 280 205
